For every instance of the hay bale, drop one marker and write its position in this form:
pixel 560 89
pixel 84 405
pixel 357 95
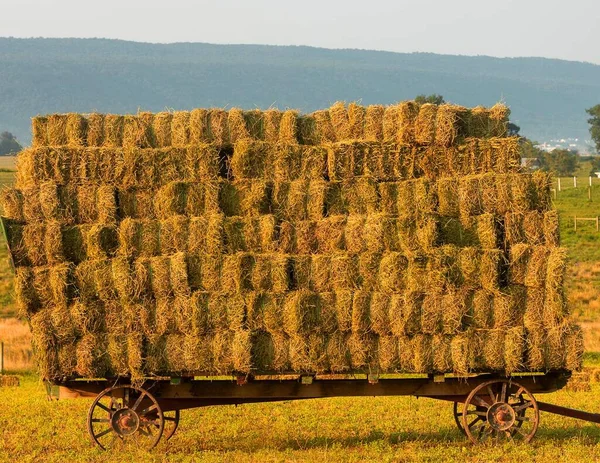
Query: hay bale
pixel 363 351
pixel 12 204
pixel 455 310
pixel 407 112
pixel 448 197
pixel 101 241
pixel 551 228
pixel 320 273
pixel 392 272
pixel 354 234
pixel 422 353
pixel 356 121
pixel 57 129
pixel 406 313
pixel 509 308
pixel 514 350
pixel 39 129
pixel 180 128
pixel 252 159
pixel 344 272
pixel 56 245
pixel 462 354
pixel 113 130
pixel 431 313
pixel 197 354
pixel 533 227
pixel 92 358
pixel 388 193
pixel 391 121
pixel 380 313
pixel 340 122
pixel 26 296
pixel 574 347
pixel 200 128
pixel 494 350
pixel 374 122
pixel 201 162
pixel 338 353
pixel 292 162
pixel 330 234
pixel 360 196
pixel 161 127
pixel 381 233
pixel 300 312
pixel 537 266
pixel 95 130
pixel 482 309
pixel 450 124
pixel 346 160
pixel 490 269
pixel 76 130
pixel 442 353
pixel 44 345
pixel 470 202
pixel 425 124
pixel 236 272
pixel 137 130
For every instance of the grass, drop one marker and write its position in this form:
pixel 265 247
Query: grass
pixel 337 429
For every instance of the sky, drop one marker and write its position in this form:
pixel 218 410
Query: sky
pixel 548 28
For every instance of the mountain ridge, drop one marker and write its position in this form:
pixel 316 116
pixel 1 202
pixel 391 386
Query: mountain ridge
pixel 548 97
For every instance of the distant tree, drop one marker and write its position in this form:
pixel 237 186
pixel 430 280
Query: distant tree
pixel 594 122
pixel 434 98
pixel 595 165
pixel 9 144
pixel 513 129
pixel 561 162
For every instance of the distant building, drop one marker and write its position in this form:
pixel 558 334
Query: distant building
pixel 530 163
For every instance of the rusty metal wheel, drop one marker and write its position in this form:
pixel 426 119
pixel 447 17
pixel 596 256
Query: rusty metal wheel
pixel 125 416
pixel 500 410
pixel 171 423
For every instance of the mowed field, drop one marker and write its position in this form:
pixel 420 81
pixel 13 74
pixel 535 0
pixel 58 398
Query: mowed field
pixel 337 429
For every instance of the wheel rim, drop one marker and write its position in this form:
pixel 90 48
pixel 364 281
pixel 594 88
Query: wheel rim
pixel 458 413
pixel 171 423
pixel 125 416
pixel 500 410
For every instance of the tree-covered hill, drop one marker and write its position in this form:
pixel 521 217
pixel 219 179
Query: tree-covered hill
pixel 548 97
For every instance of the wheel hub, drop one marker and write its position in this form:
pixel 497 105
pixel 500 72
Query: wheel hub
pixel 501 416
pixel 125 422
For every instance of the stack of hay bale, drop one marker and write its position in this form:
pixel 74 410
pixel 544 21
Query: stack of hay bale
pixel 354 239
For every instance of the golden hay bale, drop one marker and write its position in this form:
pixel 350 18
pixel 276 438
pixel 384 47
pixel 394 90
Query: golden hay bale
pixel 237 126
pixel 89 318
pixel 469 196
pixel 536 350
pixel 509 307
pixel 469 259
pixel 197 354
pixel 448 196
pixel 374 123
pixel 499 115
pixel 574 347
pixel 533 227
pixel 541 184
pixel 381 233
pixel 555 307
pixel 392 272
pixel 200 129
pixel 380 313
pixel 490 268
pixel 361 316
pixel 254 120
pixel 180 128
pixel 44 345
pixel 201 162
pixel 76 130
pixel 100 241
pixel 26 296
pixel 388 193
pixel 161 127
pixel 338 353
pixel 346 160
pixel 330 234
pixel 356 121
pixel 450 124
pixel 494 350
pixel 519 258
pixel 425 124
pixel 272 122
pixel 422 353
pixel 252 159
pixel 462 353
pixel 405 354
pixel 405 313
pixel 300 312
pixel 12 204
pixel 455 307
pixel 533 317
pixel 271 273
pixel 344 272
pixel 407 112
pixel 95 130
pixel 236 272
pixel 338 114
pixel 551 228
pixel 482 309
pixel 368 270
pixel 320 273
pixel 137 131
pixel 39 129
pixel 556 268
pixel 113 130
pixel 354 234
pixel 514 350
pixel 391 121
pixel 387 354
pixel 537 266
pixel 291 162
pixel 260 233
pixel 92 357
pixel 290 200
pixel 245 197
pixel 513 229
pixel 363 351
pixel 290 127
pixel 303 236
pixel 343 310
pixel 32 208
pixel 57 129
pixel 360 196
pixel 431 313
pixel 442 353
pixel 174 234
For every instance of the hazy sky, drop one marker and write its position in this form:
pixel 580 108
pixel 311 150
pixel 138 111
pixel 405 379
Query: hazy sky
pixel 550 28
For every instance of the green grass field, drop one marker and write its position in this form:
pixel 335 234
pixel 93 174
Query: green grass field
pixel 337 429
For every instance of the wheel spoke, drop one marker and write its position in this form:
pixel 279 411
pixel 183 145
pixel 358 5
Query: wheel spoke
pixel 476 412
pixel 523 406
pixel 522 418
pixel 148 410
pixel 100 420
pixel 139 401
pixel 481 402
pixel 126 397
pixel 103 407
pixel 503 394
pixel 519 392
pixel 491 393
pixel 480 432
pixel 143 432
pixel 100 434
pixel 474 421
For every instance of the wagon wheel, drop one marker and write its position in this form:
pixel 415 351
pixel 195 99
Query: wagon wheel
pixel 457 412
pixel 500 410
pixel 171 423
pixel 125 415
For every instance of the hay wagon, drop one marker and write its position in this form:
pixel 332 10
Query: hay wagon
pixel 487 407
